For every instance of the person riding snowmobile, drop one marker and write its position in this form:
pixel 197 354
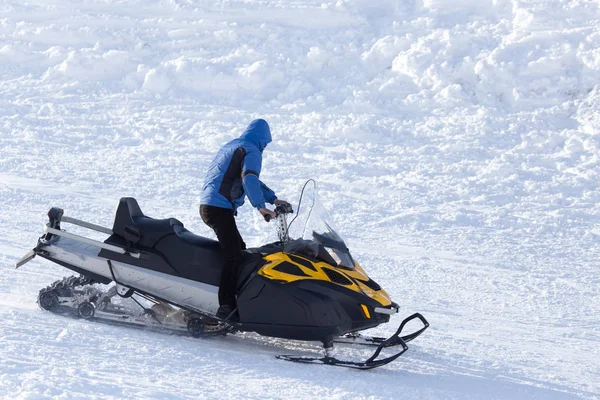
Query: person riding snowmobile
pixel 233 175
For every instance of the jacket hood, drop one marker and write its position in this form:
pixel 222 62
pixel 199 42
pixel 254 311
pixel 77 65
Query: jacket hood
pixel 258 133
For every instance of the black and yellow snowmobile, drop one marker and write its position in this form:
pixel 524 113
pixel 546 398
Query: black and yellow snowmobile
pixel 308 288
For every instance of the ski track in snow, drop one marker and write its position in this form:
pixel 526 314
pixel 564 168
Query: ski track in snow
pixel 456 143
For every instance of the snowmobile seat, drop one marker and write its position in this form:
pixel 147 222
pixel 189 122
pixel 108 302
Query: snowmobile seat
pixel 136 228
pixel 199 258
pixel 194 239
pixel 171 248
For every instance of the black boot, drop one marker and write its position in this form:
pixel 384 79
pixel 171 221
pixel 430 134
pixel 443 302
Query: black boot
pixel 227 313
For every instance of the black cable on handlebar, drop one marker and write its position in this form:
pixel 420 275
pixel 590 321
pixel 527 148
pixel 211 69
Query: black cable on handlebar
pixel 300 202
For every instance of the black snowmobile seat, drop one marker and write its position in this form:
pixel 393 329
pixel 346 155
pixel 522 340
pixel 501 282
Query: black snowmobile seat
pixel 132 225
pixel 201 259
pixel 182 253
pixel 195 240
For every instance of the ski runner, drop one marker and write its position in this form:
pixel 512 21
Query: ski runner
pixel 233 175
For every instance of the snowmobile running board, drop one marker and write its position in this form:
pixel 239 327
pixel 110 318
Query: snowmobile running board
pixel 372 362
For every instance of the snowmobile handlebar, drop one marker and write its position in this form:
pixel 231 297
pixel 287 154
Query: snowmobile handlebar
pixel 280 210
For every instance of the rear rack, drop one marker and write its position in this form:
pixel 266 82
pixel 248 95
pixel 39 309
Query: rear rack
pixel 88 225
pixel 92 242
pixel 52 229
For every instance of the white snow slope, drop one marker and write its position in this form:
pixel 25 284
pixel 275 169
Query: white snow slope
pixel 456 143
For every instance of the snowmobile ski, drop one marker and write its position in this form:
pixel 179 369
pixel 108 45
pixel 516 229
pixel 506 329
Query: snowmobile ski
pixel 365 340
pixel 373 362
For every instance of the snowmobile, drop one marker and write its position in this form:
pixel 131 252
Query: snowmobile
pixel 309 288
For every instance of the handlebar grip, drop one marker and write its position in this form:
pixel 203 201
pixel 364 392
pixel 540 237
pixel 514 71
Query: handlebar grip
pixel 284 209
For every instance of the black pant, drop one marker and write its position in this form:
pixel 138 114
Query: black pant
pixel 222 221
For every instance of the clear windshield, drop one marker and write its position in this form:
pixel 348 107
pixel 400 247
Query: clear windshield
pixel 312 232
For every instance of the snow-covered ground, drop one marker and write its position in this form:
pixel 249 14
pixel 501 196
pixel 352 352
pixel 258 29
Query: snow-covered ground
pixel 456 143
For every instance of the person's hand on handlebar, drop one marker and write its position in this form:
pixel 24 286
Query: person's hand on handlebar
pixel 267 214
pixel 283 207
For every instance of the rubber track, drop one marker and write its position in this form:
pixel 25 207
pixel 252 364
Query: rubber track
pixel 67 283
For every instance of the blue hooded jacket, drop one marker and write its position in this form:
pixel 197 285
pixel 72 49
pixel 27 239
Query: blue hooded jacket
pixel 234 172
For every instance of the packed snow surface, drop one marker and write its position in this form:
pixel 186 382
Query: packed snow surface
pixel 456 144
